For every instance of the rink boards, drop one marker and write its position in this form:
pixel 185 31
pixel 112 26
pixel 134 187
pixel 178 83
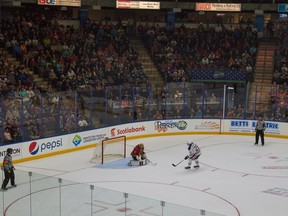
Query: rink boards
pixel 40 148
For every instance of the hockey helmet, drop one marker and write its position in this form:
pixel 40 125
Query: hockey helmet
pixel 189 142
pixel 141 145
pixel 9 151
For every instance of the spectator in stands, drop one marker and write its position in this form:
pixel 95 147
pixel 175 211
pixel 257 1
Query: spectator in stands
pixel 23 94
pixel 163 114
pixel 191 113
pixel 253 50
pixel 218 114
pixel 208 113
pixel 205 61
pixel 198 113
pixel 270 29
pixel 238 62
pixel 249 70
pixel 11 125
pixel 218 28
pixel 82 123
pixel 231 63
pixel 30 93
pixel 178 96
pixel 277 57
pixel 33 131
pixel 284 68
pixel 175 112
pixel 8 138
pixel 158 115
pixel 230 113
pixel 54 100
pixel 239 111
pixel 276 77
pixel 213 98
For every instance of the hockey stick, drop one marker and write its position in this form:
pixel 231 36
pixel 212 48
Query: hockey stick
pixel 154 164
pixel 177 163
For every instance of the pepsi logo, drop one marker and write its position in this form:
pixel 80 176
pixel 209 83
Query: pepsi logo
pixel 33 148
pixel 39 147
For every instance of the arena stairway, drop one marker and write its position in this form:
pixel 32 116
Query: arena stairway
pixel 150 70
pixel 261 85
pixel 36 78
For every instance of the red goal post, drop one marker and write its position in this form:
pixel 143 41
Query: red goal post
pixel 109 148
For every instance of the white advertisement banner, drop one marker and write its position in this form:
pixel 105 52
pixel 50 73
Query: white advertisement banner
pixel 16 153
pixel 165 126
pixel 130 129
pixel 206 125
pixel 122 4
pixel 44 146
pixel 169 127
pixel 149 5
pixel 217 7
pixel 279 128
pixel 87 137
pixel 187 125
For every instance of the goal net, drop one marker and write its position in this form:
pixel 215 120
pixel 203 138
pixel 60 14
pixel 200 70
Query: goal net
pixel 109 149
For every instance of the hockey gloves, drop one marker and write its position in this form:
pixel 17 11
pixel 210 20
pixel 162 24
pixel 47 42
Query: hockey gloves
pixel 186 157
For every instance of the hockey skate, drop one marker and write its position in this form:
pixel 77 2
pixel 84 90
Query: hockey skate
pixel 196 166
pixel 187 167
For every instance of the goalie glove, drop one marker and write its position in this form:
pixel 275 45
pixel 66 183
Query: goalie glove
pixel 186 157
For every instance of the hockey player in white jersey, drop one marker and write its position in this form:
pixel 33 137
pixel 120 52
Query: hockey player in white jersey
pixel 194 154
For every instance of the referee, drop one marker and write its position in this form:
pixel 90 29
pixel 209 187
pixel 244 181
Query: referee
pixel 8 170
pixel 260 128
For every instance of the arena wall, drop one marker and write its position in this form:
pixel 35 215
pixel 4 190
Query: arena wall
pixel 40 148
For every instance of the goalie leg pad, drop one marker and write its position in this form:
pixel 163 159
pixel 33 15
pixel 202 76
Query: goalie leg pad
pixel 138 163
pixel 143 156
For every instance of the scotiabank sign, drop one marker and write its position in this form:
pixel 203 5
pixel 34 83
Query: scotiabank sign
pixel 217 7
pixel 127 130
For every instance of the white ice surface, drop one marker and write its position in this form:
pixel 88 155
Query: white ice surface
pixel 235 177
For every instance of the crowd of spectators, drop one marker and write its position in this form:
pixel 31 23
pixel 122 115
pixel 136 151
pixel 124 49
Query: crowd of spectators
pixel 97 57
pixel 280 75
pixel 278 94
pixel 88 58
pixel 279 89
pixel 177 52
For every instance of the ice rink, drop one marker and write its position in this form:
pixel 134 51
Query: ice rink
pixel 235 177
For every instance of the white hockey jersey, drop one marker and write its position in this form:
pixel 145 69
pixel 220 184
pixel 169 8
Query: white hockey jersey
pixel 194 151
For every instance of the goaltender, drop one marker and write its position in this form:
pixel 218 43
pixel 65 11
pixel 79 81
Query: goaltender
pixel 138 152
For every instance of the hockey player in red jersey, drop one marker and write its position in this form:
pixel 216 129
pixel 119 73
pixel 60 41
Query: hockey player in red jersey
pixel 194 154
pixel 138 152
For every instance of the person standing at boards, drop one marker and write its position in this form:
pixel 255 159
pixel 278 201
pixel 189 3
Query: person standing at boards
pixel 260 128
